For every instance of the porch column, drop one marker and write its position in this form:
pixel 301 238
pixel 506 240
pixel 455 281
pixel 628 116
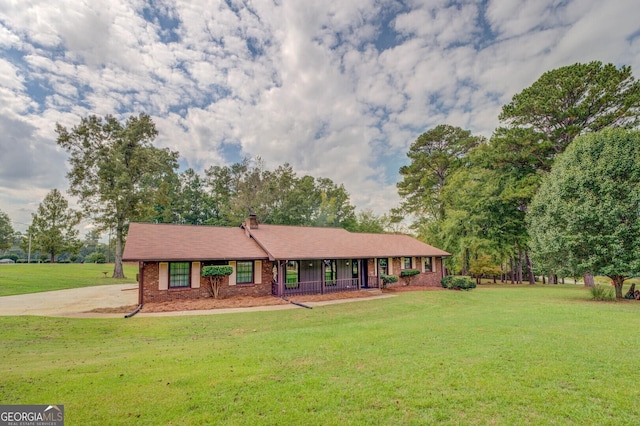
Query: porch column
pixel 323 270
pixel 280 279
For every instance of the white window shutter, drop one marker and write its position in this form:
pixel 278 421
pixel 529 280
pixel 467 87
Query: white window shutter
pixel 232 277
pixel 257 272
pixel 390 266
pixel 163 276
pixel 195 275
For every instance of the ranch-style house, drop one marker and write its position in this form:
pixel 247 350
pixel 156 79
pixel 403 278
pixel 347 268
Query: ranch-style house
pixel 272 259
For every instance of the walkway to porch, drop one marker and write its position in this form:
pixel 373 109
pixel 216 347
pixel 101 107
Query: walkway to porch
pixel 325 287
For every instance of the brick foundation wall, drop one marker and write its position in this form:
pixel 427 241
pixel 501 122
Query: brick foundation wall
pixel 151 293
pixel 428 279
pixel 262 289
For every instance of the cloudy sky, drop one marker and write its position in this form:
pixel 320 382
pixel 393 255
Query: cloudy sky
pixel 336 88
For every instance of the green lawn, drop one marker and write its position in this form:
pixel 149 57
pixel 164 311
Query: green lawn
pixel 20 278
pixel 494 355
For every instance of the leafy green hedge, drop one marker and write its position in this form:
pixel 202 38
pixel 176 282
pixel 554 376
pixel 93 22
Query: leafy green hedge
pixel 456 282
pixel 388 279
pixel 409 272
pixel 214 275
pixel 96 257
pixel 216 271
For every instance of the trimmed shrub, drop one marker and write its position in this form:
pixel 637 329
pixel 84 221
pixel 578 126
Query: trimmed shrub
pixel 455 282
pixel 601 292
pixel 214 275
pixel 409 272
pixel 216 271
pixel 388 279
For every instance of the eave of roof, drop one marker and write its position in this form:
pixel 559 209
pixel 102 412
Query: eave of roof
pixel 168 242
pixel 299 242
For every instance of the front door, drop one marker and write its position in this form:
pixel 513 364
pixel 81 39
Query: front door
pixel 364 273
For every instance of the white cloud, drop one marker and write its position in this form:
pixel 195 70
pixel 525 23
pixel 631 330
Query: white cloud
pixel 297 82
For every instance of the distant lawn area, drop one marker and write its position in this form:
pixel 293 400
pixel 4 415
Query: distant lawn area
pixel 494 355
pixel 19 278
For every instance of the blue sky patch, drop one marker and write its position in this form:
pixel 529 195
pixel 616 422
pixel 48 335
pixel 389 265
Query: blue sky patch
pixel 169 25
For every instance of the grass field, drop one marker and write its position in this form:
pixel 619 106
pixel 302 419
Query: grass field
pixel 21 278
pixel 494 355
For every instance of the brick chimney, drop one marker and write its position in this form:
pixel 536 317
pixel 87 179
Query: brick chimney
pixel 253 221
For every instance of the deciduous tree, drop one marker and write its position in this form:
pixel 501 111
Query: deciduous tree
pixel 335 208
pixel 368 221
pixel 544 118
pixel 53 227
pixel 115 171
pixel 193 202
pixel 6 231
pixel 276 197
pixel 585 216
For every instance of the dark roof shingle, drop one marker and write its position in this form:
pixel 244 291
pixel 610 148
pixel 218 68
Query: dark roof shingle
pixel 149 241
pixel 153 242
pixel 300 242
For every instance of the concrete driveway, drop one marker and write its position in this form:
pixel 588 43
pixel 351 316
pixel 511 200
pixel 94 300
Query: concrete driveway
pixel 71 302
pixel 77 302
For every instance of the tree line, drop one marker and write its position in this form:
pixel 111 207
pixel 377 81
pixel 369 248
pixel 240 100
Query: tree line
pixel 472 196
pixel 119 177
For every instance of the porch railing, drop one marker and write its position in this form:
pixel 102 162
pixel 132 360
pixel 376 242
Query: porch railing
pixel 333 286
pixel 317 287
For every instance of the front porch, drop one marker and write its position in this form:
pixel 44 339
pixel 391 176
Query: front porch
pixel 325 287
pixel 323 276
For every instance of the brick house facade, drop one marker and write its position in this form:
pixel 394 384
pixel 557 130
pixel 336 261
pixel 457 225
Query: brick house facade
pixel 153 292
pixel 272 259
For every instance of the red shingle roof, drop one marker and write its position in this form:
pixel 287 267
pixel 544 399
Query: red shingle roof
pixel 147 242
